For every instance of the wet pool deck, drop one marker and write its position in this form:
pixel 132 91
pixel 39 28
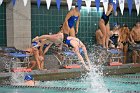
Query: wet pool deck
pixel 61 74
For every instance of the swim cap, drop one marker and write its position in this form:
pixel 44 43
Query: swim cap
pixel 34 43
pixel 28 77
pixel 115 24
pixel 111 1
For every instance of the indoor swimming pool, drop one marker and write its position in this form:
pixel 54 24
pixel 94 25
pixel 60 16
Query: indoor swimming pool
pixel 128 83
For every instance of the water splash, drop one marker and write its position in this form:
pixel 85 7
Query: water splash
pixel 98 57
pixel 17 78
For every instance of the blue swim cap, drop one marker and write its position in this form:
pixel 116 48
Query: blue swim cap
pixel 28 77
pixel 111 1
pixel 34 43
pixel 115 24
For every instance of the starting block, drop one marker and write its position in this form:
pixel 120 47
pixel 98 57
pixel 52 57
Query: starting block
pixel 115 64
pixel 72 66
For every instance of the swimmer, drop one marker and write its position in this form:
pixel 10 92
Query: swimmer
pixel 72 17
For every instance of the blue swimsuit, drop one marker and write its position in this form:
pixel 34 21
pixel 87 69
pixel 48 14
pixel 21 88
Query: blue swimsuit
pixel 72 20
pixel 66 41
pixel 34 44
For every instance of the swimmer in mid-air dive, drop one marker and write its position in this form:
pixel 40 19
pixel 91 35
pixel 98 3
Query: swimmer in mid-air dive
pixel 73 42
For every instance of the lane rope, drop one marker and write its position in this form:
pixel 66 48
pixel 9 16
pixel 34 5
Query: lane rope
pixel 43 87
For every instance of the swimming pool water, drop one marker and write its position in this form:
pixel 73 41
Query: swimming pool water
pixel 129 83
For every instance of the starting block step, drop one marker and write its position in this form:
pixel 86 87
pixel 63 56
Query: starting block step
pixel 21 70
pixel 115 64
pixel 72 66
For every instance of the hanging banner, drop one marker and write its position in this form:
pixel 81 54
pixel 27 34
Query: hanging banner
pixel 69 2
pixel 130 5
pixel 38 3
pixel 13 1
pixel 137 3
pixel 121 2
pixel 25 2
pixel 88 4
pixel 115 5
pixel 97 3
pixel 58 4
pixel 79 2
pixel 48 2
pixel 1 2
pixel 105 4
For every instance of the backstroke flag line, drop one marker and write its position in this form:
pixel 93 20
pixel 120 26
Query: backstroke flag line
pixel 121 2
pixel 88 4
pixel 130 5
pixel 25 2
pixel 48 2
pixel 58 4
pixel 69 2
pixel 115 4
pixel 79 2
pixel 105 4
pixel 137 3
pixel 38 3
pixel 97 3
pixel 1 2
pixel 13 1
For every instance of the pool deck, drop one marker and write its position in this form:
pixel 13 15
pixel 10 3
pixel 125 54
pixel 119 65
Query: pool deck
pixel 123 69
pixel 61 74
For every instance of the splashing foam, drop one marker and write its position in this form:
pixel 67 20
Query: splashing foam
pixel 17 78
pixel 98 57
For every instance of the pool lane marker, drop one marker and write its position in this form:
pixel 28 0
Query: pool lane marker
pixel 43 87
pixel 126 76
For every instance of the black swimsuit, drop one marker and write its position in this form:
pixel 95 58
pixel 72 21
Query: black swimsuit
pixel 105 17
pixel 114 39
pixel 138 42
pixel 65 38
pixel 124 43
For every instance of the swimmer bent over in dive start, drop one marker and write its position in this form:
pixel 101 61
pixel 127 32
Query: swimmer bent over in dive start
pixel 73 42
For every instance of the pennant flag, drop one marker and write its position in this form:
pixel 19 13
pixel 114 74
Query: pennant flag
pixel 1 2
pixel 58 3
pixel 115 5
pixel 38 3
pixel 130 5
pixel 79 2
pixel 105 4
pixel 121 2
pixel 13 1
pixel 48 2
pixel 69 2
pixel 25 2
pixel 97 2
pixel 137 3
pixel 88 4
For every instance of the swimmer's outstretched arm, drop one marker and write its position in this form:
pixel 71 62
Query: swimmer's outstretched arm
pixel 41 37
pixel 86 56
